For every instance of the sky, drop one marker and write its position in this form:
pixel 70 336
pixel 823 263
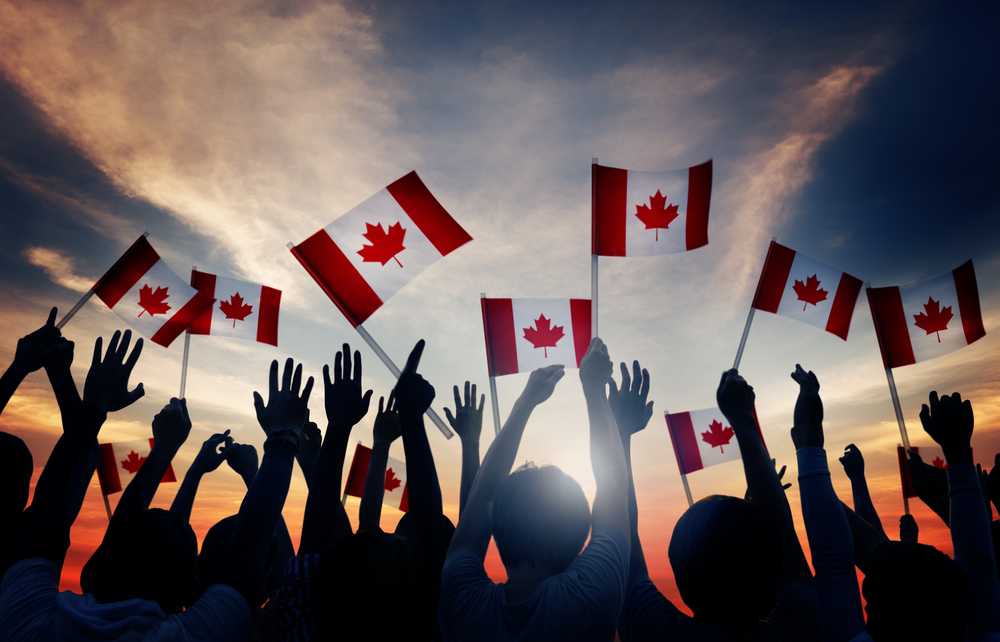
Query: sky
pixel 860 135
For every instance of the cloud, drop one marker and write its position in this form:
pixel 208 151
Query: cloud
pixel 59 267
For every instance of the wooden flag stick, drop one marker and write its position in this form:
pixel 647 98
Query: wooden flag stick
pixel 394 369
pixel 494 404
pixel 743 340
pixel 76 308
pixel 687 489
pixel 594 280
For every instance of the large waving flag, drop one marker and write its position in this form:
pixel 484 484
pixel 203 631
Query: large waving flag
pixel 368 254
pixel 396 494
pixel 648 213
pixel 119 462
pixel 794 285
pixel 142 290
pixel 928 319
pixel 243 310
pixel 524 334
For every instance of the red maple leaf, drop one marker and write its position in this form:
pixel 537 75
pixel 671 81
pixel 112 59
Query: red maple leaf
pixel 658 214
pixel 934 318
pixel 716 436
pixel 939 463
pixel 391 481
pixel 385 245
pixel 133 462
pixel 810 292
pixel 235 308
pixel 544 335
pixel 153 301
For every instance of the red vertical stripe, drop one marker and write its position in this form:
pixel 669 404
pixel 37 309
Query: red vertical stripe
pixel 968 301
pixel 107 470
pixel 844 302
pixel 359 470
pixel 579 314
pixel 434 221
pixel 136 261
pixel 267 321
pixel 501 339
pixel 682 437
pixel 886 306
pixel 204 283
pixel 773 277
pixel 404 501
pixel 699 199
pixel 905 479
pixel 181 321
pixel 338 278
pixel 609 193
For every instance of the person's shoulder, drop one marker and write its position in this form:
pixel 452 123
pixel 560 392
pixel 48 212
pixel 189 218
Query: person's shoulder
pixel 220 613
pixel 35 569
pixel 603 549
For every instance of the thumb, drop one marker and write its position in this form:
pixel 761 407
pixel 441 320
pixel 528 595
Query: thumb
pixel 258 405
pixel 449 416
pixel 136 394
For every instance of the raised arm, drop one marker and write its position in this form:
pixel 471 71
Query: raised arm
pixel 209 458
pixel 63 483
pixel 325 520
pixel 282 419
pixel 736 400
pixel 610 515
pixel 413 397
pixel 242 458
pixel 386 431
pixel 473 532
pixel 33 352
pixel 949 421
pixel 854 466
pixel 468 425
pixel 830 538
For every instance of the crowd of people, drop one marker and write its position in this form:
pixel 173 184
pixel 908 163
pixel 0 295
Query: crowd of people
pixel 575 571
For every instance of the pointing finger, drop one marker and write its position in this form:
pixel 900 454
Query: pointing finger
pixel 413 361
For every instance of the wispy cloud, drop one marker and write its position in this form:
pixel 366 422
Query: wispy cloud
pixel 59 267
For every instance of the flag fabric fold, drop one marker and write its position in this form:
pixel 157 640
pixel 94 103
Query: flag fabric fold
pixel 649 213
pixel 118 463
pixel 243 310
pixel 794 285
pixel 142 290
pixel 928 319
pixel 397 493
pixel 525 334
pixel 364 257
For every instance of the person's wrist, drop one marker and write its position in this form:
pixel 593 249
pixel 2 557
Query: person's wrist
pixel 380 443
pixel 958 454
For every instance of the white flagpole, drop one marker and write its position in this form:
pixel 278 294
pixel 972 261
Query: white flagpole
pixel 687 489
pixel 184 363
pixel 394 369
pixel 743 340
pixel 493 380
pixel 594 280
pixel 107 505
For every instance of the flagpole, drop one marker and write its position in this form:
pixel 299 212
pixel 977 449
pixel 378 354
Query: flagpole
pixel 743 340
pixel 687 489
pixel 394 369
pixel 107 505
pixel 184 363
pixel 494 404
pixel 594 280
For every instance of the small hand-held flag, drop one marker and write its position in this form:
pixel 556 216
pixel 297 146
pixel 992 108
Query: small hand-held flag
pixel 243 310
pixel 396 492
pixel 118 463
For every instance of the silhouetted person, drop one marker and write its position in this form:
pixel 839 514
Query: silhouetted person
pixel 540 522
pixel 15 479
pixel 854 466
pixel 468 425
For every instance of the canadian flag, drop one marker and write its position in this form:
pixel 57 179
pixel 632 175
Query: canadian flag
pixel 241 309
pixel 702 438
pixel 365 256
pixel 906 479
pixel 119 462
pixel 149 296
pixel 794 285
pixel 928 319
pixel 524 334
pixel 396 492
pixel 648 213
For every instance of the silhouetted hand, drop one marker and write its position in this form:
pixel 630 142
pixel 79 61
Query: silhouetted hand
pixel 808 417
pixel 468 419
pixel 949 421
pixel 242 458
pixel 853 462
pixel 309 448
pixel 60 355
pixel 287 408
pixel 387 428
pixel 211 456
pixel 35 350
pixel 542 383
pixel 171 426
pixel 628 403
pixel 413 393
pixel 106 387
pixel 908 529
pixel 735 397
pixel 595 368
pixel 346 403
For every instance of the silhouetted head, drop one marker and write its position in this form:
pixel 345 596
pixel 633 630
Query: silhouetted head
pixel 215 558
pixel 152 555
pixel 915 592
pixel 15 475
pixel 369 578
pixel 540 518
pixel 725 561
